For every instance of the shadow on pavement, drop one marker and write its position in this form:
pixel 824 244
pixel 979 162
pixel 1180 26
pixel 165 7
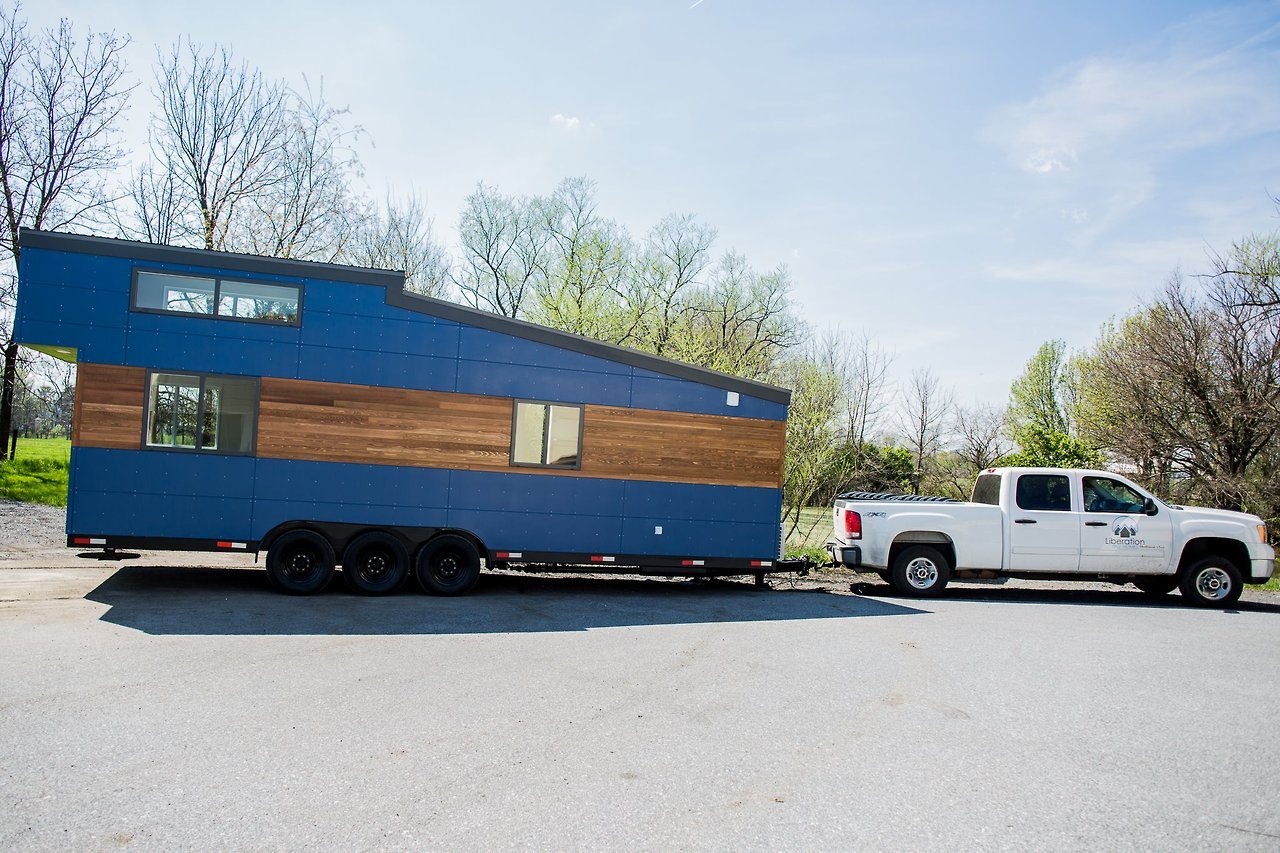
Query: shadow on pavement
pixel 193 601
pixel 1118 597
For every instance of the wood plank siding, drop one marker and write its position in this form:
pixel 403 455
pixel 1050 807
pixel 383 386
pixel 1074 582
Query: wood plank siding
pixel 109 406
pixel 334 422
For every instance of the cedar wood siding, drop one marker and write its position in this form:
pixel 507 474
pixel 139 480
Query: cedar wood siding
pixel 336 422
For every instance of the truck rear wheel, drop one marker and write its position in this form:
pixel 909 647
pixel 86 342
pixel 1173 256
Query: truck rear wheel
pixel 1211 582
pixel 300 562
pixel 920 571
pixel 448 565
pixel 375 563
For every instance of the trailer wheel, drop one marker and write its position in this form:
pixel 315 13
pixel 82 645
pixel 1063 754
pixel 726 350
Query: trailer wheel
pixel 375 563
pixel 920 571
pixel 1211 582
pixel 1157 585
pixel 448 565
pixel 300 562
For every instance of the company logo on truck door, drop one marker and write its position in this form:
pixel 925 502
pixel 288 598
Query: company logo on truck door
pixel 1125 529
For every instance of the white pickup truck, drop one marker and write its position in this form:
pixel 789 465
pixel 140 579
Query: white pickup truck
pixel 1053 524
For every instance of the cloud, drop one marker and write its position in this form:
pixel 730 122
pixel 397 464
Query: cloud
pixel 1192 94
pixel 569 123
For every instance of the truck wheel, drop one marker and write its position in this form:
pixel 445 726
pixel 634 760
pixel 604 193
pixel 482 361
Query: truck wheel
pixel 300 562
pixel 448 565
pixel 920 571
pixel 1211 582
pixel 375 563
pixel 1157 585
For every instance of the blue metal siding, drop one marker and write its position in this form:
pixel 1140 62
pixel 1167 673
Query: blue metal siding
pixel 206 496
pixel 348 334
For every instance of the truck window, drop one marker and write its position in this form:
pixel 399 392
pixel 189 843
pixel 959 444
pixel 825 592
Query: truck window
pixel 1051 492
pixel 546 435
pixel 1103 494
pixel 167 293
pixel 201 413
pixel 987 489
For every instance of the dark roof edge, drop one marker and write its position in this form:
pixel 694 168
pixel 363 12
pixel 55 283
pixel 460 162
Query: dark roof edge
pixel 111 247
pixel 393 281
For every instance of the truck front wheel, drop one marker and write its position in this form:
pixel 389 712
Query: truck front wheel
pixel 1211 582
pixel 920 571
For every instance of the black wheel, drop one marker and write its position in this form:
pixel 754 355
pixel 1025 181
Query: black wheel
pixel 300 562
pixel 447 565
pixel 1157 584
pixel 920 571
pixel 375 563
pixel 1211 582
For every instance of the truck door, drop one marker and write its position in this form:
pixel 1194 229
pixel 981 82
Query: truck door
pixel 1044 531
pixel 1117 534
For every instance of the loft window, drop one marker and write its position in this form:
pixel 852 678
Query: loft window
pixel 216 297
pixel 195 412
pixel 546 435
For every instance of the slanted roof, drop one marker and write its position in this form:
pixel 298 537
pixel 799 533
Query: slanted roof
pixel 393 281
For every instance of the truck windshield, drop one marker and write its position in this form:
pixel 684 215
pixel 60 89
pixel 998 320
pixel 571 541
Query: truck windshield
pixel 987 489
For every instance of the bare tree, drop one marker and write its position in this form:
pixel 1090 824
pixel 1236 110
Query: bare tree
pixel 504 250
pixel 399 238
pixel 676 254
pixel 1191 386
pixel 588 260
pixel 224 131
pixel 60 99
pixel 305 212
pixel 922 417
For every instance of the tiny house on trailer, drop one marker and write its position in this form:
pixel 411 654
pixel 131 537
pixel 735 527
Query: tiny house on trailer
pixel 325 415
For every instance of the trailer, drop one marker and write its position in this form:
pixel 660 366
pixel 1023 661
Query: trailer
pixel 328 417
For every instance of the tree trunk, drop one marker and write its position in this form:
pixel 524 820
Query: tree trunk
pixel 6 397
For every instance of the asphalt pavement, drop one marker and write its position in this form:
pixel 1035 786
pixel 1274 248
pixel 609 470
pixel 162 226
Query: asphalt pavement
pixel 166 708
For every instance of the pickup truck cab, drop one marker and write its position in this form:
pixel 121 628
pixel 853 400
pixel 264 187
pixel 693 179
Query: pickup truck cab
pixel 1053 524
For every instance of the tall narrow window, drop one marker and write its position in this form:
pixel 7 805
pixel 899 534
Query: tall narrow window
pixel 546 435
pixel 193 412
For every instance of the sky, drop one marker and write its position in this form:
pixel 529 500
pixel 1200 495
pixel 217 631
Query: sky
pixel 960 181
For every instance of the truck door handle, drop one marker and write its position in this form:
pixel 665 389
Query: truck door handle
pixel 1024 521
pixel 1095 524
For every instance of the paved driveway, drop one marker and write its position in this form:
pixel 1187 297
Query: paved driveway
pixel 167 708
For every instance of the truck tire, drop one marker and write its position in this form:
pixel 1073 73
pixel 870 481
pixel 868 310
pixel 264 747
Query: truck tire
pixel 300 562
pixel 1157 585
pixel 447 565
pixel 1211 582
pixel 375 563
pixel 919 571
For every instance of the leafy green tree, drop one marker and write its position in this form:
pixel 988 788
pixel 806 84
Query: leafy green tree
pixel 1048 448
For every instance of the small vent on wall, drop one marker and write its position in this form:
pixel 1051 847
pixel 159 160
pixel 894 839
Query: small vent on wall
pixel 732 398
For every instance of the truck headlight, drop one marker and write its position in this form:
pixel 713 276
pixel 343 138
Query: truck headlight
pixel 1262 533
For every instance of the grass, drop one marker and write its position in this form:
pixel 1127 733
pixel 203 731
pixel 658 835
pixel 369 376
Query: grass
pixel 812 533
pixel 38 472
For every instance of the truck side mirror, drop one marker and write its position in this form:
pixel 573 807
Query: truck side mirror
pixel 1149 507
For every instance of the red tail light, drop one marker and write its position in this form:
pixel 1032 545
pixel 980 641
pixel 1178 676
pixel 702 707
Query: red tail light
pixel 852 524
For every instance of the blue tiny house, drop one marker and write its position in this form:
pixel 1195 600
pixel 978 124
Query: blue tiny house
pixel 325 415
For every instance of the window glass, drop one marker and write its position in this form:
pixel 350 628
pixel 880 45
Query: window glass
pixel 201 412
pixel 546 434
pixel 987 489
pixel 241 300
pixel 1103 494
pixel 1044 492
pixel 184 294
pixel 258 301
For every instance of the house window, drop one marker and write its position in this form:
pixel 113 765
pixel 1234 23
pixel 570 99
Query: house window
pixel 216 297
pixel 547 435
pixel 201 413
